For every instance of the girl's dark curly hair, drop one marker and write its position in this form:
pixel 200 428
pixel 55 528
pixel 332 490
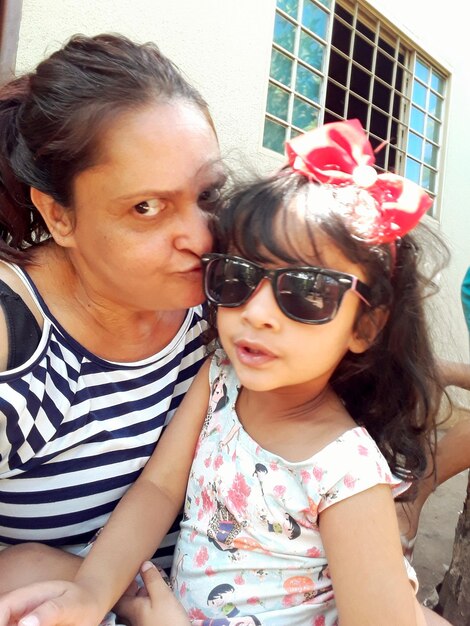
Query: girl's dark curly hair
pixel 53 119
pixel 393 388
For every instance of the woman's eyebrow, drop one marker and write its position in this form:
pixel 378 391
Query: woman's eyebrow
pixel 213 172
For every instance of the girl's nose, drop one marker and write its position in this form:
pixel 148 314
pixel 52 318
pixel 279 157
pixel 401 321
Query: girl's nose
pixel 261 310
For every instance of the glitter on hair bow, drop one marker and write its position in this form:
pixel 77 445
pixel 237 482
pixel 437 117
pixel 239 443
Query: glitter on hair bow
pixel 339 154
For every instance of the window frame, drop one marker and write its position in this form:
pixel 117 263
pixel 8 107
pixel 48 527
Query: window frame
pixel 428 165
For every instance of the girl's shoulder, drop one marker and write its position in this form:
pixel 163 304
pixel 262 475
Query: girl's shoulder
pixel 353 463
pixel 219 365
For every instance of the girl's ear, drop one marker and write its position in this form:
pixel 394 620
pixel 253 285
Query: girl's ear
pixel 59 220
pixel 367 328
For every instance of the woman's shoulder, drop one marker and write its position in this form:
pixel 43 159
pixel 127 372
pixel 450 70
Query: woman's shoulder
pixel 13 278
pixel 20 318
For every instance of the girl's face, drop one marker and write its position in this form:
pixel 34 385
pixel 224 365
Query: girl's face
pixel 273 352
pixel 140 215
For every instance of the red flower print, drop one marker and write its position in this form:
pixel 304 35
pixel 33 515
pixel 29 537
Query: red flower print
pixel 238 493
pixel 313 507
pixel 274 466
pixel 201 557
pixel 253 600
pixel 299 585
pixel 349 481
pixel 317 472
pixel 314 553
pixel 192 536
pixel 194 614
pixel 279 491
pixel 305 476
pixel 319 620
pixel 289 600
pixel 207 461
pixel 206 501
pixel 379 469
pixel 363 451
pixel 183 590
pixel 218 462
pixel 210 571
pixel 239 580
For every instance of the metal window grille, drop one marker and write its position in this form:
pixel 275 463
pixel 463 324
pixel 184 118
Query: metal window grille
pixel 338 60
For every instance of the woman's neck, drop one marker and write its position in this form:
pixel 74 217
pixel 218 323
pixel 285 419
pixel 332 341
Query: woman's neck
pixel 105 328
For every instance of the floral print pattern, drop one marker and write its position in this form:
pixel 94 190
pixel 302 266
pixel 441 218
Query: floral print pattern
pixel 252 517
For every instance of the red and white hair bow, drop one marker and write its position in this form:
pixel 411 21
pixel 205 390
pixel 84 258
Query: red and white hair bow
pixel 339 154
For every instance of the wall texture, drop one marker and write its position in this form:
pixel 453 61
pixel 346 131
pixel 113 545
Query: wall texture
pixel 224 48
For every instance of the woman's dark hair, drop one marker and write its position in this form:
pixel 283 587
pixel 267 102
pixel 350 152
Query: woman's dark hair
pixel 52 120
pixel 393 389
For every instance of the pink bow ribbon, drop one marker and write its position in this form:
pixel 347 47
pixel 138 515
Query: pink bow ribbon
pixel 340 154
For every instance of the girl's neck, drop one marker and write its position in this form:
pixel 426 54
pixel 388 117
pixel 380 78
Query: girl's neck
pixel 289 427
pixel 284 404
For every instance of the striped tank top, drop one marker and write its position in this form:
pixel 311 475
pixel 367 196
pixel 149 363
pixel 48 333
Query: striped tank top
pixel 76 430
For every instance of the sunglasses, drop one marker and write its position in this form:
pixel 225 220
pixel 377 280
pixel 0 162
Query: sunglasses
pixel 311 295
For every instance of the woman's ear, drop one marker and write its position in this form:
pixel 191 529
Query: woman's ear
pixel 367 328
pixel 59 220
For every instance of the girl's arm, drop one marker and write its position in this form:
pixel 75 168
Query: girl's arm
pixel 132 534
pixel 364 554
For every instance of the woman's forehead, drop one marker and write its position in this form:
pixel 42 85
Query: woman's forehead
pixel 167 147
pixel 175 128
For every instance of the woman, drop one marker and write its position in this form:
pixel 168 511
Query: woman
pixel 109 168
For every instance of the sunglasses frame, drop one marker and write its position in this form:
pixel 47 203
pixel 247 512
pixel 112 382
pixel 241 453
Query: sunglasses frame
pixel 346 282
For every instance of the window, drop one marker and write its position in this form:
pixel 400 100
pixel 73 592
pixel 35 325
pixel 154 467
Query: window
pixel 337 60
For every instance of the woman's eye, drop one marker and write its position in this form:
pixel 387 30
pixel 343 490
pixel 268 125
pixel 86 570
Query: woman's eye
pixel 151 207
pixel 209 196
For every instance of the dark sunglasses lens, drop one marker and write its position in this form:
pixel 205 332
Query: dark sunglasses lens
pixel 229 282
pixel 309 296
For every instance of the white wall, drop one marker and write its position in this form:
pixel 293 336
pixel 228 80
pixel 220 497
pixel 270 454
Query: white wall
pixel 223 46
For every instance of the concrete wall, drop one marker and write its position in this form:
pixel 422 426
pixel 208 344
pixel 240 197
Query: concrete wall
pixel 224 46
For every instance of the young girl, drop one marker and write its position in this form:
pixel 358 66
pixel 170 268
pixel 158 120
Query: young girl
pixel 299 430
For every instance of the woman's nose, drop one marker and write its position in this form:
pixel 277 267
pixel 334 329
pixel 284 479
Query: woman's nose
pixel 193 232
pixel 261 309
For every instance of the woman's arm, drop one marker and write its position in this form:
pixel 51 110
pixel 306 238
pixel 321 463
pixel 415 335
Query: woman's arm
pixel 363 549
pixel 455 373
pixel 132 533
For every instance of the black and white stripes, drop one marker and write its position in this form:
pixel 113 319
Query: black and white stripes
pixel 75 430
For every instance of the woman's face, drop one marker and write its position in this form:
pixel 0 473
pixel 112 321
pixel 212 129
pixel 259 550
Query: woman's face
pixel 140 215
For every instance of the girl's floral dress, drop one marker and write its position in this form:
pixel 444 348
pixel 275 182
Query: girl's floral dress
pixel 250 550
